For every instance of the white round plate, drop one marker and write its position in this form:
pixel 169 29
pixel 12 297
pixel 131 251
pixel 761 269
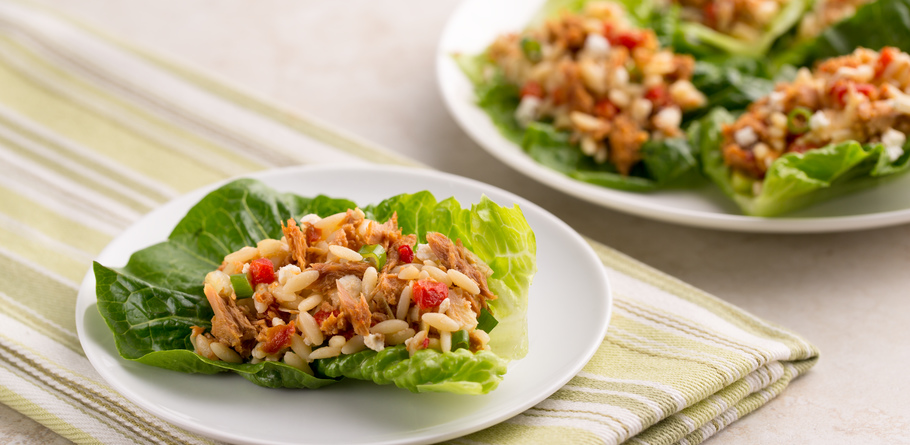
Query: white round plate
pixel 229 408
pixel 476 23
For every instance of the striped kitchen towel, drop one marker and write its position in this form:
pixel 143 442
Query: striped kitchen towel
pixel 94 133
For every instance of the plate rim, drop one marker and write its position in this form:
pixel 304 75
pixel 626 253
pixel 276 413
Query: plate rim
pixel 622 201
pixel 87 298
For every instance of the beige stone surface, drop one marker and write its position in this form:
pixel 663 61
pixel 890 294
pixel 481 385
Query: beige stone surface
pixel 368 67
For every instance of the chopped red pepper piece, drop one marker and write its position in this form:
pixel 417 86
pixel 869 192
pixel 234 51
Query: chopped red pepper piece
pixel 321 316
pixel 532 88
pixel 605 109
pixel 429 294
pixel 262 271
pixel 405 253
pixel 658 95
pixel 278 338
pixel 630 39
pixel 885 59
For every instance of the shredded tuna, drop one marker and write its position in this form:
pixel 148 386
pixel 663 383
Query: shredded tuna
pixel 453 257
pixel 296 242
pixel 330 272
pixel 355 308
pixel 229 325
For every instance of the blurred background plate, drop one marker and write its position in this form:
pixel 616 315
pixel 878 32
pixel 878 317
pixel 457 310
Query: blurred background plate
pixel 476 23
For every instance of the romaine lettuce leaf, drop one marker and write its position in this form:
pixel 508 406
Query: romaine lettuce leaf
pixel 796 180
pixel 459 371
pixel 874 25
pixel 668 163
pixel 699 40
pixel 151 303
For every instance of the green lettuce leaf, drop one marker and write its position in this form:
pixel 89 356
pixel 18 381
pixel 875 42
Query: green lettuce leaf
pixel 459 371
pixel 874 25
pixel 796 180
pixel 699 40
pixel 151 303
pixel 668 163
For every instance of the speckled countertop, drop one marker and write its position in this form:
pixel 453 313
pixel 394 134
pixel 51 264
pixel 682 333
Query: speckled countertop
pixel 368 68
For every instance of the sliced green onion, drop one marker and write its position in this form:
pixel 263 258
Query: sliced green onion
pixel 531 49
pixel 241 285
pixel 486 321
pixel 373 254
pixel 460 340
pixel 798 120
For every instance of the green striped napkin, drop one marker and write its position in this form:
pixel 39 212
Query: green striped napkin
pixel 95 133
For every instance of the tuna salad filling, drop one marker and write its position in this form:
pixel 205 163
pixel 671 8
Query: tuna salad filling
pixel 858 97
pixel 342 284
pixel 743 19
pixel 603 80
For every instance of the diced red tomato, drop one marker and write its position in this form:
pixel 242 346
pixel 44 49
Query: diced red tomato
pixel 321 316
pixel 278 338
pixel 709 12
pixel 429 294
pixel 405 253
pixel 605 109
pixel 426 343
pixel 532 88
pixel 884 59
pixel 629 38
pixel 313 235
pixel 658 95
pixel 262 271
pixel 840 88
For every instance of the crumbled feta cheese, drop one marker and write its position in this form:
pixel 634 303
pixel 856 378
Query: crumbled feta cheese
pixel 620 77
pixel 311 218
pixel 597 45
pixel 893 141
pixel 901 103
pixel 819 120
pixel 745 137
pixel 246 268
pixel 375 342
pixel 287 271
pixel 668 119
pixel 641 109
pixel 527 110
pixel 776 98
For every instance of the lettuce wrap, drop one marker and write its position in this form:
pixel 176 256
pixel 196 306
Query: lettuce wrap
pixel 151 303
pixel 795 180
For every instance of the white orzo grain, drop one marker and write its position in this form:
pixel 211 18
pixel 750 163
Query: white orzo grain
pixel 399 337
pixel 330 224
pixel 312 333
pixel 297 362
pixel 202 347
pixel 404 303
pixel 225 353
pixel 243 255
pixel 409 272
pixel 441 322
pixel 369 281
pixel 438 275
pixel 271 247
pixel 337 341
pixel 310 302
pixel 445 341
pixel 302 280
pixel 345 253
pixel 325 352
pixel 300 347
pixel 463 281
pixel 389 326
pixel 354 345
